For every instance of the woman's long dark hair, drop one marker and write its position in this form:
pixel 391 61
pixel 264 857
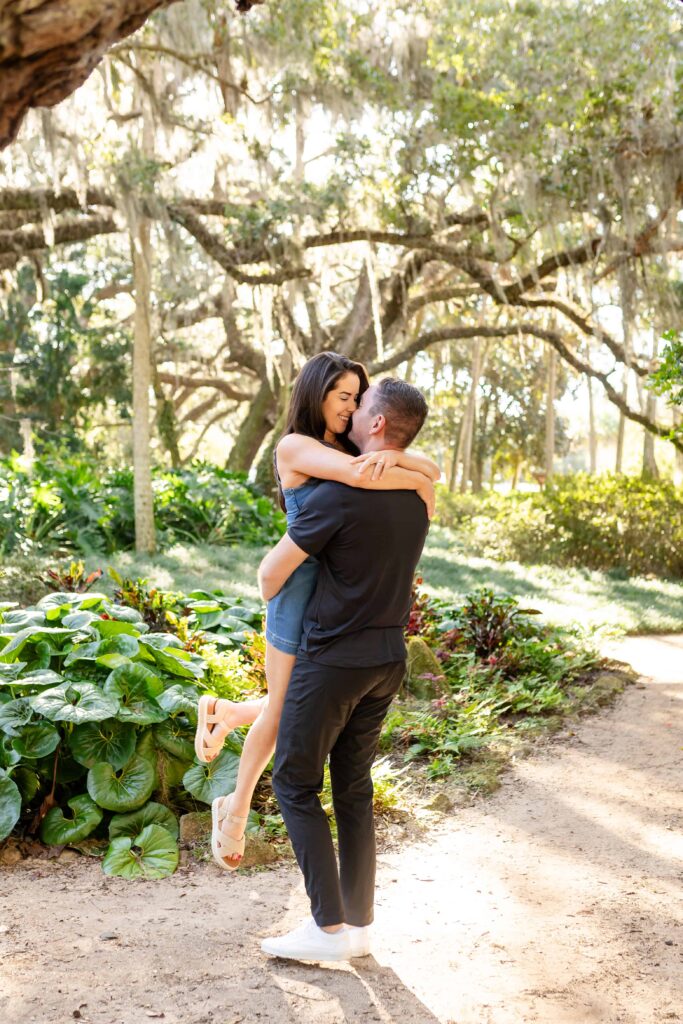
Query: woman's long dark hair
pixel 316 379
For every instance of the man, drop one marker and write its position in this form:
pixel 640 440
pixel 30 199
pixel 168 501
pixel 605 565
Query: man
pixel 349 667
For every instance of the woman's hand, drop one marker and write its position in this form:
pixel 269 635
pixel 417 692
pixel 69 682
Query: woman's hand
pixel 426 492
pixel 377 461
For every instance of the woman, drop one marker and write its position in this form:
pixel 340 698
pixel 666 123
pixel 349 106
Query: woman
pixel 314 447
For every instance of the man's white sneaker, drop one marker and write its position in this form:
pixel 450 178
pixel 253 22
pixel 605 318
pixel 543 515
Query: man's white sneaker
pixel 360 940
pixel 308 942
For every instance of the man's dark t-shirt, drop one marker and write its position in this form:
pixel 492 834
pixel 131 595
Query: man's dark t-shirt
pixel 369 544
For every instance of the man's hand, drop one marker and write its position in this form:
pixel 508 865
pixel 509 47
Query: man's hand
pixel 377 461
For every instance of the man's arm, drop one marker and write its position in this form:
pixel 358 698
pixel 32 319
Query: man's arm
pixel 278 566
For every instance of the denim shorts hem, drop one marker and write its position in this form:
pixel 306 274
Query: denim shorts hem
pixel 281 643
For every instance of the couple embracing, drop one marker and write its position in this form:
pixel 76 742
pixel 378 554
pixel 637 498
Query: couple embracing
pixel 337 587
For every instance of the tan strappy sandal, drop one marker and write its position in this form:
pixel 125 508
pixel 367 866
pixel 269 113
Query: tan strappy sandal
pixel 222 845
pixel 207 723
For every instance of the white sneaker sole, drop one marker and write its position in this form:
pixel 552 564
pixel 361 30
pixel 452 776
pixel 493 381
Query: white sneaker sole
pixel 329 956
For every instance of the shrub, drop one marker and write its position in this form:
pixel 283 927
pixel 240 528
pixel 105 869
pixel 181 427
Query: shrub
pixel 73 503
pixel 97 715
pixel 501 669
pixel 609 522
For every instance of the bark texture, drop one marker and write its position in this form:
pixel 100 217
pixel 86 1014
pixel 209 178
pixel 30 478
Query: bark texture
pixel 49 47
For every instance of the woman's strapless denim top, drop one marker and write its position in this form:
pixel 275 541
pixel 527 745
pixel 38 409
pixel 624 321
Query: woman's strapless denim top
pixel 295 498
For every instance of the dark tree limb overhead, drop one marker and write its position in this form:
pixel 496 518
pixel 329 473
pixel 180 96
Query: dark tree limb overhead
pixel 49 47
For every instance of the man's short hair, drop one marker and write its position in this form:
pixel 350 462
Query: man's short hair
pixel 404 408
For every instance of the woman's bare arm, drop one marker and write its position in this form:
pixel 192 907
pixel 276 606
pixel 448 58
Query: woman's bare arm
pixel 381 461
pixel 300 454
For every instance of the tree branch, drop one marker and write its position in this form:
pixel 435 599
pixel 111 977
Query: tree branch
pixel 552 337
pixel 205 382
pixel 25 240
pixel 229 259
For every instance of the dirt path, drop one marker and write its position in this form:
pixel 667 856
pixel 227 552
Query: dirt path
pixel 556 901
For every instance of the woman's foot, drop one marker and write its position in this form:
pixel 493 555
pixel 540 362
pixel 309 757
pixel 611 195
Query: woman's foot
pixel 216 718
pixel 227 834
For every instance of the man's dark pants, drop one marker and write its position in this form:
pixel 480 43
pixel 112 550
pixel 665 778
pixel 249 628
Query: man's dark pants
pixel 336 711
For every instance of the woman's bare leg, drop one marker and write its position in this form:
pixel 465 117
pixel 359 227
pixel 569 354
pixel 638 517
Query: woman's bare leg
pixel 260 742
pixel 232 714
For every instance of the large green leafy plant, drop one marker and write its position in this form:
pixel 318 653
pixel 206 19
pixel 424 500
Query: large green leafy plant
pixel 97 716
pixel 70 502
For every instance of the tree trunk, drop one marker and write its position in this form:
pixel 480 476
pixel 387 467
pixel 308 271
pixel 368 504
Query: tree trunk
pixel 551 384
pixel 626 290
pixel 265 474
pixel 145 538
pixel 678 463
pixel 167 422
pixel 478 448
pixel 457 455
pixel 255 426
pixel 516 473
pixel 470 413
pixel 650 468
pixel 592 431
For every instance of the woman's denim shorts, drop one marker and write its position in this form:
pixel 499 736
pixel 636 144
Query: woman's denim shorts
pixel 285 611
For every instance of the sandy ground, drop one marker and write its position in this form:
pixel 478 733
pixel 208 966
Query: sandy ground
pixel 556 901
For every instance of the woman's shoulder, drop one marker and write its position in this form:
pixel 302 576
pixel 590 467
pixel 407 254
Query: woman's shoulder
pixel 290 444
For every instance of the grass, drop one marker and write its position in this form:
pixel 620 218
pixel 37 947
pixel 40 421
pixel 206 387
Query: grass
pixel 594 600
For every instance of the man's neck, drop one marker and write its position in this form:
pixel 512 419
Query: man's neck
pixel 379 444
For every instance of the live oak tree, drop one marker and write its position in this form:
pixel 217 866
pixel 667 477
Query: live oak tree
pixel 385 182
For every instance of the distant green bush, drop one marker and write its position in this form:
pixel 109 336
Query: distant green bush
pixel 73 503
pixel 609 522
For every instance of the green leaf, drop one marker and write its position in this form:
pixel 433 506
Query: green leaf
pixel 10 804
pixel 121 613
pixel 152 854
pixel 33 636
pixel 180 697
pixel 92 601
pixel 115 627
pixel 135 687
pixel 12 622
pixel 110 740
pixel 37 740
pixel 79 620
pixel 8 755
pixel 178 662
pixel 8 673
pixel 14 715
pixel 207 781
pixel 57 829
pixel 151 814
pixel 27 781
pixel 42 657
pixel 74 701
pixel 111 652
pixel 248 615
pixel 40 678
pixel 124 789
pixel 59 600
pixel 176 738
pixel 160 641
pixel 146 746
